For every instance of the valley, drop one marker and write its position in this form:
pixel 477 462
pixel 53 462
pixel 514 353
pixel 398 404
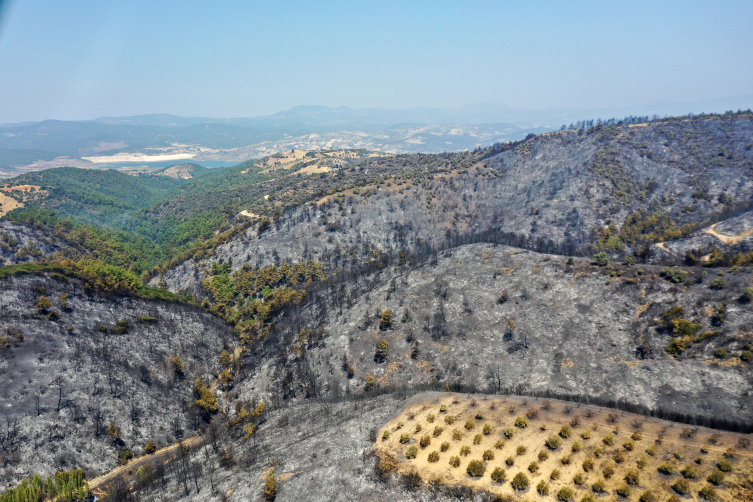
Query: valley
pixel 280 315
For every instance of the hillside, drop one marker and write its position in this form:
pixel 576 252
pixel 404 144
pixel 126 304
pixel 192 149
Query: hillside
pixel 89 359
pixel 513 446
pixel 607 265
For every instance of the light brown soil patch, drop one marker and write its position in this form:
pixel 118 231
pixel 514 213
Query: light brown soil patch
pixel 640 309
pixel 314 169
pixel 500 412
pixel 8 203
pixel 249 214
pixel 728 239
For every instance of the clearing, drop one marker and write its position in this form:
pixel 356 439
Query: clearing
pixel 592 450
pixel 8 203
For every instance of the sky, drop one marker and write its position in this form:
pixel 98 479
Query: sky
pixel 85 59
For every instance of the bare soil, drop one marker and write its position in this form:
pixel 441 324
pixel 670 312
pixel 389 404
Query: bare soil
pixel 671 442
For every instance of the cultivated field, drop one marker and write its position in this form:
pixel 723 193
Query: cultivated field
pixel 555 450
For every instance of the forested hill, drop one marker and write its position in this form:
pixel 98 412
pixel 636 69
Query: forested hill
pixel 617 188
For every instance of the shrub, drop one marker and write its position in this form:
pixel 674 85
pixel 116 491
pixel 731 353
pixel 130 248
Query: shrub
pixel 385 467
pixel 520 482
pixel 724 465
pixel 477 439
pixel 433 457
pixel 386 321
pixel 124 456
pixel 419 427
pixel 465 450
pixel 404 438
pixel 636 436
pixel 509 433
pixel 543 455
pixel 667 468
pixel 382 350
pixel 532 413
pixel 588 465
pixel 444 447
pixel 499 475
pixel 533 467
pixel 579 479
pixel 629 445
pixel 651 451
pixel 566 460
pixel 586 434
pixel 437 431
pixel 455 461
pixel 543 488
pixel 499 444
pixel 385 435
pixel 566 494
pixel 599 486
pixel 681 486
pixel 602 260
pixel 707 493
pixel 43 303
pixel 470 425
pixel 487 429
pixel 488 455
pixel 716 478
pixel 648 496
pixel 370 383
pixel 632 477
pixel 270 485
pixel 430 418
pixel 443 408
pixel 608 471
pixel 718 284
pixel 425 441
pixel 642 463
pixel 510 461
pixel 476 468
pixel 457 435
pixel 619 457
pixel 704 449
pixel 521 450
pixel 598 451
pixel 479 415
pixel 588 497
pixel 576 447
pixel 400 425
pixel 565 432
pixel 553 442
pixel 608 440
pixel 623 491
pixel 412 452
pixel 449 420
pixel 689 472
pixel 150 448
pixel 521 423
pixel 674 275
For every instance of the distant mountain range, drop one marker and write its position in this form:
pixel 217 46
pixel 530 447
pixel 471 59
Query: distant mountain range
pixel 31 146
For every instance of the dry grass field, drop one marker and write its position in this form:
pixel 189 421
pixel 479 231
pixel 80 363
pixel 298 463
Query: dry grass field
pixel 564 451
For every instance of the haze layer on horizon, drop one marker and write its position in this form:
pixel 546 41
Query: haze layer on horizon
pixel 82 60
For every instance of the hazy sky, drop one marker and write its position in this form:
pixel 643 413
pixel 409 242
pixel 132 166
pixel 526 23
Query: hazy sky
pixel 83 59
